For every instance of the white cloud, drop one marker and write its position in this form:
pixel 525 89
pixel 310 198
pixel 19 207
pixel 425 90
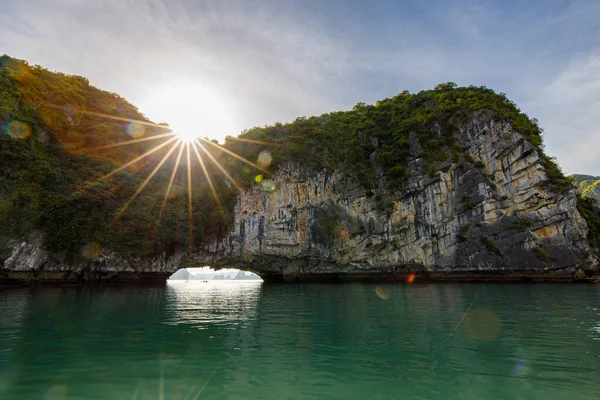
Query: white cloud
pixel 271 67
pixel 277 60
pixel 568 108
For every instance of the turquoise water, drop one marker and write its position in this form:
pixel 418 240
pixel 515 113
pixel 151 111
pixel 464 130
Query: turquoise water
pixel 256 341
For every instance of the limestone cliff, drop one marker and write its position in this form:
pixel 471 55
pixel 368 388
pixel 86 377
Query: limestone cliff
pixel 447 183
pixel 493 219
pixel 28 261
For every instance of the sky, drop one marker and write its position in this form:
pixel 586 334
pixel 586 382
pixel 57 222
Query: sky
pixel 219 67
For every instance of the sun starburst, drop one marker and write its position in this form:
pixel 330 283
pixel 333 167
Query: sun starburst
pixel 179 144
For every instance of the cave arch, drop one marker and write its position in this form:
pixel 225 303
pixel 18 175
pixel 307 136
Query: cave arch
pixel 206 273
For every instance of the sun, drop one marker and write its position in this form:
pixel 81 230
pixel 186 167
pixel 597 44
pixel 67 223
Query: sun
pixel 192 109
pixel 196 115
pixel 185 135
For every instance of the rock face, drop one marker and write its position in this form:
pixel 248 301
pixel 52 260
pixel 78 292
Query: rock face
pixel 492 219
pixel 28 261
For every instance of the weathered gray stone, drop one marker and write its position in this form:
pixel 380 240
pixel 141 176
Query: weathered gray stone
pixel 341 232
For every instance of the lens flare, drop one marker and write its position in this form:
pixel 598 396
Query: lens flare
pixel 218 165
pixel 264 159
pixel 267 185
pixel 381 293
pixel 143 185
pixel 482 324
pixel 190 201
pixel 134 141
pixel 130 163
pixel 16 129
pixel 208 179
pixel 135 130
pixel 57 392
pixel 411 277
pixel 237 156
pixel 522 367
pixel 173 174
pixel 91 251
pixel 103 115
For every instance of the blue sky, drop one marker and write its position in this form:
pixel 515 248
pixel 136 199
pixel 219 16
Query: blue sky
pixel 238 64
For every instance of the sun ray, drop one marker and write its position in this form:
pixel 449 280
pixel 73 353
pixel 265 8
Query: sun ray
pixel 137 121
pixel 206 383
pixel 146 154
pixel 161 384
pixel 219 166
pixel 143 185
pixel 462 318
pixel 173 174
pixel 189 183
pixel 163 135
pixel 207 175
pixel 239 139
pixel 231 153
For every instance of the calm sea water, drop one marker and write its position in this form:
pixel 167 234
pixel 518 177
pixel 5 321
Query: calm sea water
pixel 256 341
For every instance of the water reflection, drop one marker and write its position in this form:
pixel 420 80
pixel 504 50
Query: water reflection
pixel 240 341
pixel 199 305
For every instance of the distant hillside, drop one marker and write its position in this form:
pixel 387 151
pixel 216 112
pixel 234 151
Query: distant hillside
pixel 246 276
pixel 588 185
pixel 181 275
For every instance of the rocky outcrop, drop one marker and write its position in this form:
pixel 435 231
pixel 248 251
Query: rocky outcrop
pixel 493 218
pixel 29 262
pixel 488 216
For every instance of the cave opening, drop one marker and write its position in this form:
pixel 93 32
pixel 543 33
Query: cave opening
pixel 207 274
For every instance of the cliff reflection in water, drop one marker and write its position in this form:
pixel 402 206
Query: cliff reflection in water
pixel 249 340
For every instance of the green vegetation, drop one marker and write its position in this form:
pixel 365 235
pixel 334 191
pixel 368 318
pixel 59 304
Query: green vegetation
pixel 521 224
pixel 50 180
pixel 588 188
pixel 588 208
pixel 347 138
pixel 46 185
pixel 326 228
pixel 463 233
pixel 489 246
pixel 587 185
pixel 542 254
pixel 468 202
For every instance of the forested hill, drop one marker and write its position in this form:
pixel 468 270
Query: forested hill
pixel 588 185
pixel 588 188
pixel 62 139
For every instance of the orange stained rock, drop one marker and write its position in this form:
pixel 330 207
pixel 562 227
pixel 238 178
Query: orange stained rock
pixel 303 195
pixel 547 231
